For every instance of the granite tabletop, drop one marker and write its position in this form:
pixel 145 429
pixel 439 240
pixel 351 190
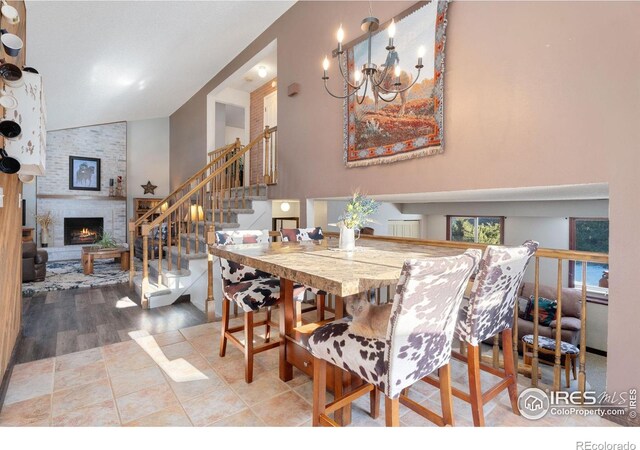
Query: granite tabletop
pixel 322 265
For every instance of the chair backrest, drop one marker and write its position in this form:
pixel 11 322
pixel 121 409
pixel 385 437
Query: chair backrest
pixel 423 317
pixel 301 234
pixel 233 272
pixel 495 290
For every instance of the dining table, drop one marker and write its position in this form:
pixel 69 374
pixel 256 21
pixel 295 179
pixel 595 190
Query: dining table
pixel 322 265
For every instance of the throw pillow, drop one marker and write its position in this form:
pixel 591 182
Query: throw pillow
pixel 524 308
pixel 546 310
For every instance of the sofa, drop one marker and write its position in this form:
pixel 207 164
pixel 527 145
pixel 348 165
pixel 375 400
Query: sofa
pixel 571 313
pixel 34 262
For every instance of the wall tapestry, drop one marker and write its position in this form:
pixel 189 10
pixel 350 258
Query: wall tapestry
pixel 411 125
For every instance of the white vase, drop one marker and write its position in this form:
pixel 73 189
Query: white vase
pixel 347 238
pixel 44 237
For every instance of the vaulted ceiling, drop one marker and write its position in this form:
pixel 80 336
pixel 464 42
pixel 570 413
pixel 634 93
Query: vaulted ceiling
pixel 111 61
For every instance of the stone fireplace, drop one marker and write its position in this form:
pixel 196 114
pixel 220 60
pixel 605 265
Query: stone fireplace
pixel 80 217
pixel 82 230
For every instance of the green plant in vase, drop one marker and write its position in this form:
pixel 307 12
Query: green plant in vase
pixel 106 241
pixel 356 215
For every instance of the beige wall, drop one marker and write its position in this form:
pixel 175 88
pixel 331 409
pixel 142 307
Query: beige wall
pixel 536 93
pixel 147 159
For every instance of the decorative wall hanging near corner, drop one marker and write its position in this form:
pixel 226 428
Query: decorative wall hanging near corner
pixel 410 125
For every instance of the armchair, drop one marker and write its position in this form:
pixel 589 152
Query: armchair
pixel 34 262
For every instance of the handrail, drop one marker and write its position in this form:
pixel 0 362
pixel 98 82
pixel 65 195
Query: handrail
pixel 541 252
pixel 202 184
pixel 226 149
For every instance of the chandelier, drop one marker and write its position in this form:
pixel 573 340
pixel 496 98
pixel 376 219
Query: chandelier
pixel 383 80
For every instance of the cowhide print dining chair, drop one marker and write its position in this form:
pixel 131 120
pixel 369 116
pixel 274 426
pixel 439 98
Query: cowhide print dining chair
pixel 418 342
pixel 490 312
pixel 251 290
pixel 307 234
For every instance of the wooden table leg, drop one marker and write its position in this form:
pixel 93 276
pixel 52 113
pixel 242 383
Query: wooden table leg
pixel 286 325
pixel 342 378
pixel 87 264
pixel 124 261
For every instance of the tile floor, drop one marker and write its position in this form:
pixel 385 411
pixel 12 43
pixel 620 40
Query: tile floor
pixel 177 379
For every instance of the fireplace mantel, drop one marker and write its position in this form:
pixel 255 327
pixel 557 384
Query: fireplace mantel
pixel 82 197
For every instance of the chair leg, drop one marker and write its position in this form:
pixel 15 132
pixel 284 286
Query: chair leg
pixel 510 369
pixel 319 389
pixel 374 402
pixel 392 411
pixel 225 327
pixel 573 367
pixel 567 370
pixel 320 298
pixel 475 390
pixel 298 314
pixel 446 396
pixel 248 346
pixel 267 332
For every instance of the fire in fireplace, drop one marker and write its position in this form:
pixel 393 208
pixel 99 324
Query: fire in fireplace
pixel 82 230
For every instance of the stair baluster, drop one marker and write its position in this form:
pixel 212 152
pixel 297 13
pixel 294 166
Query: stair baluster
pixel 160 245
pixel 171 219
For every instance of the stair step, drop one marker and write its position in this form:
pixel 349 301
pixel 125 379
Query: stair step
pixel 234 211
pixel 153 290
pixel 190 256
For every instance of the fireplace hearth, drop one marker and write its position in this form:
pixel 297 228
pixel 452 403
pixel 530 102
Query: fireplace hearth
pixel 82 230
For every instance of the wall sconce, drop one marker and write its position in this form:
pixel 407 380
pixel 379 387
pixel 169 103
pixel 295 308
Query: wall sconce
pixel 164 207
pixel 285 206
pixel 196 213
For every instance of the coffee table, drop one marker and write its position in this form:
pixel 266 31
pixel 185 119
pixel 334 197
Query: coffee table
pixel 89 254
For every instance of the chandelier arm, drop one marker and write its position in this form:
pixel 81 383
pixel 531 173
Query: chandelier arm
pixel 382 78
pixel 340 97
pixel 346 79
pixel 398 91
pixel 363 95
pixel 390 100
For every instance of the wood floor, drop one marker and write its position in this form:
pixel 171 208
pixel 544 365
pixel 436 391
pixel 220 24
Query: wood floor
pixel 60 322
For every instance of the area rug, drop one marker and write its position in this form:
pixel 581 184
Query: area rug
pixel 64 275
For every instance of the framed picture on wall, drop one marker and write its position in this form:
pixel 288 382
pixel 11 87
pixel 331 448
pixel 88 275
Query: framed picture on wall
pixel 84 173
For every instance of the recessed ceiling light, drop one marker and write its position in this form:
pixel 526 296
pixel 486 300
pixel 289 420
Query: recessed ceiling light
pixel 262 71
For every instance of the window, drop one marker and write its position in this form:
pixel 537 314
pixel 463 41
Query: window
pixel 590 235
pixel 483 230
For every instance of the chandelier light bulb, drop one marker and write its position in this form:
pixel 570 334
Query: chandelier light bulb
pixel 392 29
pixel 421 51
pixel 262 71
pixel 357 75
pixel 397 71
pixel 325 63
pixel 340 34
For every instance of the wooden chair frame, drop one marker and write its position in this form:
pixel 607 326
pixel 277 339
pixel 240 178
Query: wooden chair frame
pixel 475 396
pixel 248 348
pixel 321 409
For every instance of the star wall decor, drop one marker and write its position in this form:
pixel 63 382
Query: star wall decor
pixel 149 188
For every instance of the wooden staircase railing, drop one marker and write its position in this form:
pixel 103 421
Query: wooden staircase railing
pixel 188 214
